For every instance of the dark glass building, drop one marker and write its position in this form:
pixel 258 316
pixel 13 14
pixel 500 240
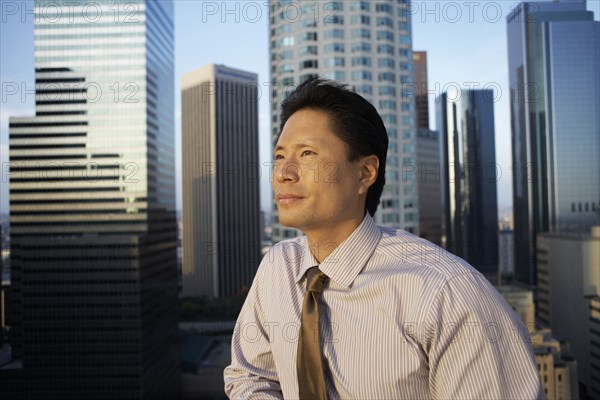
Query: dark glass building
pixel 554 78
pixel 92 196
pixel 470 225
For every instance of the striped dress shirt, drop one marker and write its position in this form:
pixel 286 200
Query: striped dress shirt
pixel 401 319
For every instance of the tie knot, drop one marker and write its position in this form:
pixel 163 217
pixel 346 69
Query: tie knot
pixel 315 279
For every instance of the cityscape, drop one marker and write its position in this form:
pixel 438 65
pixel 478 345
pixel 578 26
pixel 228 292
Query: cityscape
pixel 136 144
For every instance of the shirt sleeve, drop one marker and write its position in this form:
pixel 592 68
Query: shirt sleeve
pixel 477 347
pixel 252 373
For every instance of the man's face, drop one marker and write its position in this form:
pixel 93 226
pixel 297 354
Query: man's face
pixel 315 185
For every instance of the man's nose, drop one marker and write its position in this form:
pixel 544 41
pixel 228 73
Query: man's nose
pixel 288 170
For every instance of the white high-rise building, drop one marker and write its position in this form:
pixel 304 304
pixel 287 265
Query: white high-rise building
pixel 367 45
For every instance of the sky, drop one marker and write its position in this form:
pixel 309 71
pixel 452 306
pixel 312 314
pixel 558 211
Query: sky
pixel 465 42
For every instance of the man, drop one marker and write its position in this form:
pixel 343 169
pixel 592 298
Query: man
pixel 386 315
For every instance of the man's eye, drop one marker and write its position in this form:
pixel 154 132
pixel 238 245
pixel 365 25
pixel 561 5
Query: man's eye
pixel 307 153
pixel 278 157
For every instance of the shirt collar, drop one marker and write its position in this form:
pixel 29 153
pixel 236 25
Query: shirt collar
pixel 345 263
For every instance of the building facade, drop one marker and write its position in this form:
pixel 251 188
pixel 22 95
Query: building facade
pixel 421 89
pixel 364 44
pixel 569 279
pixel 506 256
pixel 465 121
pixel 222 234
pixel 429 185
pixel 92 193
pixel 554 79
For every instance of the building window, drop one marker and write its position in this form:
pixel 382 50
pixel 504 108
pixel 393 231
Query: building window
pixel 404 39
pixel 305 77
pixel 336 75
pixel 334 33
pixel 307 23
pixel 286 28
pixel 286 54
pixel 387 105
pixel 387 91
pixel 385 49
pixel 308 37
pixel 360 19
pixel 360 33
pixel 365 61
pixel 362 75
pixel 334 62
pixel 386 8
pixel 334 6
pixel 361 46
pixel 390 218
pixel 390 204
pixel 365 89
pixel 309 64
pixel 286 68
pixel 392 132
pixel 287 41
pixel 308 50
pixel 360 6
pixel 385 21
pixel 389 119
pixel 333 19
pixel 334 48
pixel 386 63
pixel 385 35
pixel 403 26
pixel 287 81
pixel 387 76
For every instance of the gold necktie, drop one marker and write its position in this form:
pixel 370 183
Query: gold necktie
pixel 311 378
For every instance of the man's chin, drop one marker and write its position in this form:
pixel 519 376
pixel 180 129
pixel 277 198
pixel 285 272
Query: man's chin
pixel 289 221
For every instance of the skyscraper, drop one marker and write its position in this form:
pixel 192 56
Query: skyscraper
pixel 465 121
pixel 420 91
pixel 368 46
pixel 92 192
pixel 221 209
pixel 554 78
pixel 429 181
pixel 569 288
pixel 428 156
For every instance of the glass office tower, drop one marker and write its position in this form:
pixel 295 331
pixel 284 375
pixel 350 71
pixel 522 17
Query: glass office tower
pixel 92 194
pixel 367 45
pixel 465 121
pixel 554 77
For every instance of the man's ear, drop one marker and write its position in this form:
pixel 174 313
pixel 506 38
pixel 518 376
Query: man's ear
pixel 369 167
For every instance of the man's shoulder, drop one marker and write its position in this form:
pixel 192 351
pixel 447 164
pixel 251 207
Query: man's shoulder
pixel 408 252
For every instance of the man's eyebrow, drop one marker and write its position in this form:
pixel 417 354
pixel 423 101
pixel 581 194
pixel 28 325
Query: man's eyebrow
pixel 298 145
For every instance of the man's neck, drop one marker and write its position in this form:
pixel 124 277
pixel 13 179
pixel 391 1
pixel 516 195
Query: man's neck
pixel 323 241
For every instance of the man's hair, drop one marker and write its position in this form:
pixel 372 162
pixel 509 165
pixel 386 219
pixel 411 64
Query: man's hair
pixel 353 119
